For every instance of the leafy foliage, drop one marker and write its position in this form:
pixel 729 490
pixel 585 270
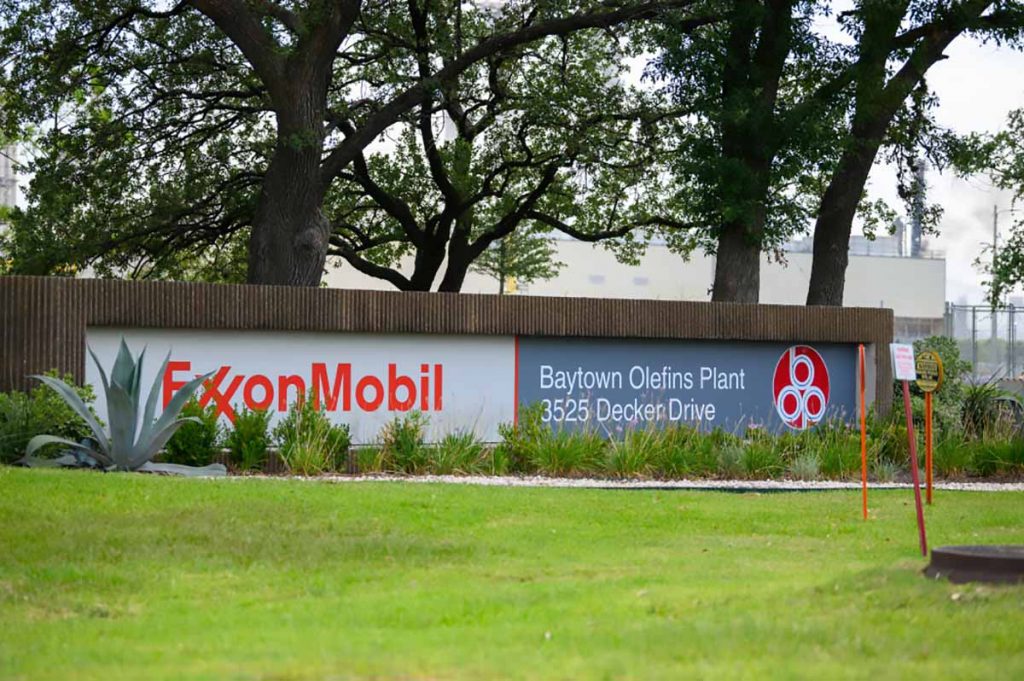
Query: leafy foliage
pixel 309 443
pixel 983 407
pixel 522 257
pixel 1001 156
pixel 550 138
pixel 458 453
pixel 41 410
pixel 173 139
pixel 249 440
pixel 403 443
pixel 196 443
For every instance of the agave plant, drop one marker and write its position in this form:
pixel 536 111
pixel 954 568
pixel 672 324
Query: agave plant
pixel 132 441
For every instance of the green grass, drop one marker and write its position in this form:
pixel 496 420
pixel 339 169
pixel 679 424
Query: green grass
pixel 125 576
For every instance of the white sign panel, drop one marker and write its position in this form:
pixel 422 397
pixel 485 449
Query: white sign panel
pixel 903 365
pixel 363 380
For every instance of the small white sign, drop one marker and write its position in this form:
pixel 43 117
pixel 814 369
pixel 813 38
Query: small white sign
pixel 903 365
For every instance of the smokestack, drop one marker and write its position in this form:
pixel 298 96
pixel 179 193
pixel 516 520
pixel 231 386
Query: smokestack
pixel 917 219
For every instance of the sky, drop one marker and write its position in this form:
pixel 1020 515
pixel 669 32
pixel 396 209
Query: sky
pixel 977 86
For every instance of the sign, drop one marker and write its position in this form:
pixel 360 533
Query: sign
pixel 903 361
pixel 800 387
pixel 611 385
pixel 363 380
pixel 463 382
pixel 928 366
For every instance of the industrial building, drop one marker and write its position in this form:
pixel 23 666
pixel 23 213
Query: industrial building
pixel 882 273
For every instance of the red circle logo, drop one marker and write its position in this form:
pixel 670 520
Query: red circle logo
pixel 800 387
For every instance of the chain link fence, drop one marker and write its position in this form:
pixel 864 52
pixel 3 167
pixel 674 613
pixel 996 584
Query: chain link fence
pixel 989 338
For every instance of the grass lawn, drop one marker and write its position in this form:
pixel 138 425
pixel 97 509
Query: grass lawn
pixel 126 576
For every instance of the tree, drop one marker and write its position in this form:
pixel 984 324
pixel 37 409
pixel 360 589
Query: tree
pixel 891 66
pixel 762 103
pixel 786 126
pixel 522 256
pixel 549 137
pixel 1001 156
pixel 161 128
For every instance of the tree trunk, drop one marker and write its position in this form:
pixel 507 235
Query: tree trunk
pixel 290 233
pixel 460 257
pixel 428 261
pixel 738 265
pixel 833 227
pixel 288 245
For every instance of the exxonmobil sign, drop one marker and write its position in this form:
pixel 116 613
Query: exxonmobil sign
pixel 333 389
pixel 363 380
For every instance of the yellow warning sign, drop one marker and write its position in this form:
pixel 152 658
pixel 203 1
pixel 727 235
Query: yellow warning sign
pixel 929 371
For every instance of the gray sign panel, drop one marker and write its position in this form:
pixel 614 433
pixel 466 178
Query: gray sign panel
pixel 610 385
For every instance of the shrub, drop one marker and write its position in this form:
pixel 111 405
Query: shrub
pixel 952 456
pixel 635 455
pixel 730 460
pixel 1000 450
pixel 565 453
pixel 762 459
pixel 135 436
pixel 839 453
pixel 309 443
pixel 885 471
pixel 369 459
pixel 982 407
pixel 311 451
pixel 516 439
pixel 531 446
pixel 703 456
pixel 402 442
pixel 805 466
pixel 196 442
pixel 39 411
pixel 457 453
pixel 887 441
pixel 947 401
pixel 249 440
pixel 497 461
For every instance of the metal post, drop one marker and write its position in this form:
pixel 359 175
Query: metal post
pixel 1012 333
pixel 1009 373
pixel 974 338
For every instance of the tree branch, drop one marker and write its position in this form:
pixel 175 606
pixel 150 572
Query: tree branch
pixel 345 152
pixel 242 27
pixel 593 237
pixel 392 276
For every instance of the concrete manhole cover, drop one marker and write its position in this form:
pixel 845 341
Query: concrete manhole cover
pixel 994 563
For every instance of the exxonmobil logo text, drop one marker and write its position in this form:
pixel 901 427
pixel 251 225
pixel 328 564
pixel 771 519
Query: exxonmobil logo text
pixel 332 390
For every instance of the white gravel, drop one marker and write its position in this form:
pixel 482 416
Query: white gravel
pixel 593 483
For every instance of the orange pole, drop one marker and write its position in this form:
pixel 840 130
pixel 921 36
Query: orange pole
pixel 928 445
pixel 863 439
